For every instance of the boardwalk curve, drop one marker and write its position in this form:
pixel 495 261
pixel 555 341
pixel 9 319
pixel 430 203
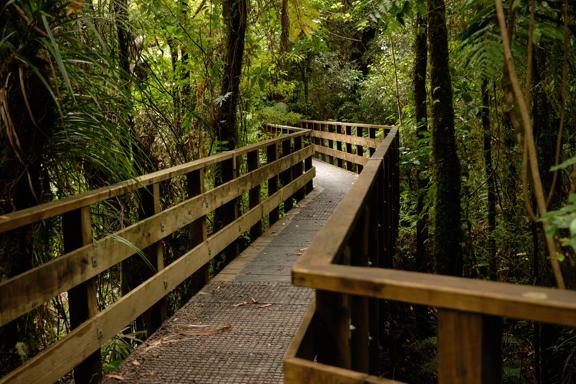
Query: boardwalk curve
pixel 237 329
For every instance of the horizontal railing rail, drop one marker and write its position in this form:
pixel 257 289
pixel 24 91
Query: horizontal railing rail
pixel 286 174
pixel 349 265
pixel 347 145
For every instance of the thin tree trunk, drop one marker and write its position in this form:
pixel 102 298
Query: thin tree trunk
pixel 446 166
pixel 235 19
pixel 284 36
pixel 490 181
pixel 421 107
pixel 398 103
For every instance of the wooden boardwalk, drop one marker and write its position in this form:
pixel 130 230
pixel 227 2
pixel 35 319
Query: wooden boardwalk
pixel 237 329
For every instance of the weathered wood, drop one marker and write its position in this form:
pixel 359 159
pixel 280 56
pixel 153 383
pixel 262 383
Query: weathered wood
pixel 286 176
pixel 332 153
pixel 77 231
pixel 298 169
pixel 159 313
pixel 301 371
pixel 339 130
pixel 330 241
pixel 359 306
pixel 55 361
pixel 516 301
pixel 229 211
pixel 348 132
pixel 271 156
pixel 372 135
pixel 55 208
pixel 301 344
pixel 332 329
pixel 359 148
pixel 198 230
pixel 363 125
pixel 469 348
pixel 253 161
pixel 330 129
pixel 347 138
pixel 24 292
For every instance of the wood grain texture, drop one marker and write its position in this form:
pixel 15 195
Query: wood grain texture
pixel 300 371
pixel 348 139
pixel 59 207
pixel 313 123
pixel 516 301
pixel 333 153
pixel 26 291
pixel 468 348
pixel 62 356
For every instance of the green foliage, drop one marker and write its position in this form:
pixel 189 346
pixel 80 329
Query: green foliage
pixel 117 349
pixel 562 224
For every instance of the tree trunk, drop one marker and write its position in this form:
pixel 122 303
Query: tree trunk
pixel 26 124
pixel 235 18
pixel 421 107
pixel 490 181
pixel 446 166
pixel 284 36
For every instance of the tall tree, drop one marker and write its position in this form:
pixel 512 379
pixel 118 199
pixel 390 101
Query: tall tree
pixel 446 166
pixel 490 179
pixel 234 13
pixel 27 118
pixel 421 114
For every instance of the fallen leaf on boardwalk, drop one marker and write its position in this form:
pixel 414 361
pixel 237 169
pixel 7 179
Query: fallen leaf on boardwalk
pixel 264 305
pixel 202 330
pixel 240 304
pixel 165 340
pixel 116 377
pixel 136 363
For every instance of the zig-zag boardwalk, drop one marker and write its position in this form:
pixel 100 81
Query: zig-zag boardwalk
pixel 237 329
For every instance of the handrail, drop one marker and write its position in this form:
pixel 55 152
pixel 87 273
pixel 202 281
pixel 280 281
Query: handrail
pixel 288 174
pixel 58 207
pixel 349 265
pixel 346 145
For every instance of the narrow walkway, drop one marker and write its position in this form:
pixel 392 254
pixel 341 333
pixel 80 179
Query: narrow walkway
pixel 237 329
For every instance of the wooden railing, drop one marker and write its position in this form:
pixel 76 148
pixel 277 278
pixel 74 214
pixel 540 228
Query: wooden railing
pixel 348 264
pixel 347 145
pixel 287 173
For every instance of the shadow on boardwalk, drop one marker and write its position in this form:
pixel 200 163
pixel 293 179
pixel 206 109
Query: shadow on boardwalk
pixel 237 329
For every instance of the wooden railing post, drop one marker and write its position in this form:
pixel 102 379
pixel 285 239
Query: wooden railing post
pixel 77 229
pixel 271 155
pixel 308 166
pixel 333 329
pixel 341 130
pixel 348 132
pixel 254 194
pixel 198 230
pixel 297 170
pixel 159 312
pixel 469 348
pixel 359 305
pixel 229 211
pixel 286 176
pixel 359 148
pixel 330 143
pixel 372 135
